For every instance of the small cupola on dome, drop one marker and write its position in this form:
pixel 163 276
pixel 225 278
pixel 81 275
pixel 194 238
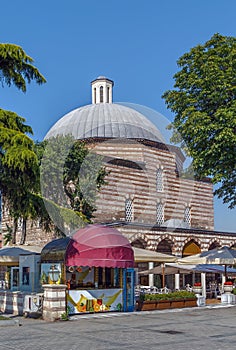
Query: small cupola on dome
pixel 102 90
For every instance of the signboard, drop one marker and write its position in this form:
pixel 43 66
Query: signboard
pixel 94 300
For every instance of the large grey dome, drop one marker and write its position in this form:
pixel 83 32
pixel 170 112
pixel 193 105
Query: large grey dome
pixel 105 120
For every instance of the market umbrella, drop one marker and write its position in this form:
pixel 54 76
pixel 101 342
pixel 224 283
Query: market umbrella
pixel 174 268
pixel 169 269
pixel 218 256
pixel 145 255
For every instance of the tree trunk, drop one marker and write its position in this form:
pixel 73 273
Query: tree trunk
pixel 14 229
pixel 23 232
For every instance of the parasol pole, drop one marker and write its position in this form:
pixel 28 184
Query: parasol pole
pixel 225 272
pixel 163 275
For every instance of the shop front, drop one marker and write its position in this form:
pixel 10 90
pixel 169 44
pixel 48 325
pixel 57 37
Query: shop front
pixel 19 268
pixel 97 265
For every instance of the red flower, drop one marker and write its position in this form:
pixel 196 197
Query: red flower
pixel 228 283
pixel 197 284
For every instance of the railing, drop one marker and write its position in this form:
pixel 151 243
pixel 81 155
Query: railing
pixel 150 290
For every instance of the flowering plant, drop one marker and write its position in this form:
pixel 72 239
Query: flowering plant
pixel 228 283
pixel 197 284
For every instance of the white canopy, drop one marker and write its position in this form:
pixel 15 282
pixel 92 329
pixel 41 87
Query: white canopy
pixel 168 269
pixel 219 256
pixel 145 255
pixel 173 268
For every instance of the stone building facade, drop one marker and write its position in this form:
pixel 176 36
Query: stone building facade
pixel 146 196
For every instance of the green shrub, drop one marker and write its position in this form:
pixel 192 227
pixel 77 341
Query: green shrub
pixel 234 291
pixel 64 316
pixel 183 294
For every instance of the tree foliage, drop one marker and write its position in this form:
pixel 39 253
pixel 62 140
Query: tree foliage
pixel 18 166
pixel 204 104
pixel 71 177
pixel 18 160
pixel 16 67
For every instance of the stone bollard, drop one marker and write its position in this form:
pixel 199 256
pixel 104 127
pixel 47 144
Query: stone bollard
pixel 54 301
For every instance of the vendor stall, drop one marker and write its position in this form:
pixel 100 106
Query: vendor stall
pixel 19 268
pixel 97 264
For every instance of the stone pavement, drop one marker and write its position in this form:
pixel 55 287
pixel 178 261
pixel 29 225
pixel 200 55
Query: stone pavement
pixel 210 327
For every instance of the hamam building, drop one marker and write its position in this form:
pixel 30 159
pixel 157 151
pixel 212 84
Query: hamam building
pixel 146 197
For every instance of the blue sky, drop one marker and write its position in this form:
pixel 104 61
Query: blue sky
pixel 134 42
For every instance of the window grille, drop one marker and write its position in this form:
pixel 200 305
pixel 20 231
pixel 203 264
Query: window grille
pixel 101 94
pixel 160 213
pixel 159 180
pixel 108 93
pixel 128 210
pixel 187 215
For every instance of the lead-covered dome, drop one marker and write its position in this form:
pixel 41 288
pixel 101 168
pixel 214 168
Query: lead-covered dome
pixel 105 120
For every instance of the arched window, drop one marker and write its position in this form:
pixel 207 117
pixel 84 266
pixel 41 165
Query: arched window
pixel 165 246
pixel 159 180
pixel 160 213
pixel 108 92
pixel 187 215
pixel 94 95
pixel 101 94
pixel 214 245
pixel 191 248
pixel 128 210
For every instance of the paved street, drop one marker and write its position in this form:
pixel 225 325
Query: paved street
pixel 197 328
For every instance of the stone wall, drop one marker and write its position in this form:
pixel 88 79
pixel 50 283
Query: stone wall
pixel 35 235
pixel 132 171
pixel 150 237
pixel 11 302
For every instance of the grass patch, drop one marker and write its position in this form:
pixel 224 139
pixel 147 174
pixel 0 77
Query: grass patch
pixel 4 318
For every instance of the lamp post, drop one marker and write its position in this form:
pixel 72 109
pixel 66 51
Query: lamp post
pixel 54 274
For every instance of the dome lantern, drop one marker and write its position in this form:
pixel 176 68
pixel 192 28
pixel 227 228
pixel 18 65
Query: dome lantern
pixel 102 90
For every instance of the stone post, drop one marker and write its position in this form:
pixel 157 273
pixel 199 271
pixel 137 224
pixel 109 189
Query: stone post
pixel 177 280
pixel 150 277
pixel 203 282
pixel 54 301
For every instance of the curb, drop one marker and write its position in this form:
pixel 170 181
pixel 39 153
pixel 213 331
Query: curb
pixel 7 323
pixel 77 317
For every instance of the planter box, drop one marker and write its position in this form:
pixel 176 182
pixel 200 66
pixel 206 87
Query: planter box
pixel 191 302
pixel 149 305
pixel 163 304
pixel 177 303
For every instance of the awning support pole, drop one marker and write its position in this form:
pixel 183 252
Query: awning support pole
pixel 163 275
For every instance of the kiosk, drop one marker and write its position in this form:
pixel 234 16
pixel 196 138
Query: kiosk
pixel 97 264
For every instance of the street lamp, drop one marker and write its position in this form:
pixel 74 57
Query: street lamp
pixel 54 273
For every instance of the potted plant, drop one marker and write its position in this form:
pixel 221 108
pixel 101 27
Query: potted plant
pixel 228 286
pixel 177 299
pixel 197 288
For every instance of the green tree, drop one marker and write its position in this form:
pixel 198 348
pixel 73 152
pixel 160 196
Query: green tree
pixel 204 104
pixel 17 67
pixel 71 177
pixel 84 175
pixel 18 161
pixel 18 164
